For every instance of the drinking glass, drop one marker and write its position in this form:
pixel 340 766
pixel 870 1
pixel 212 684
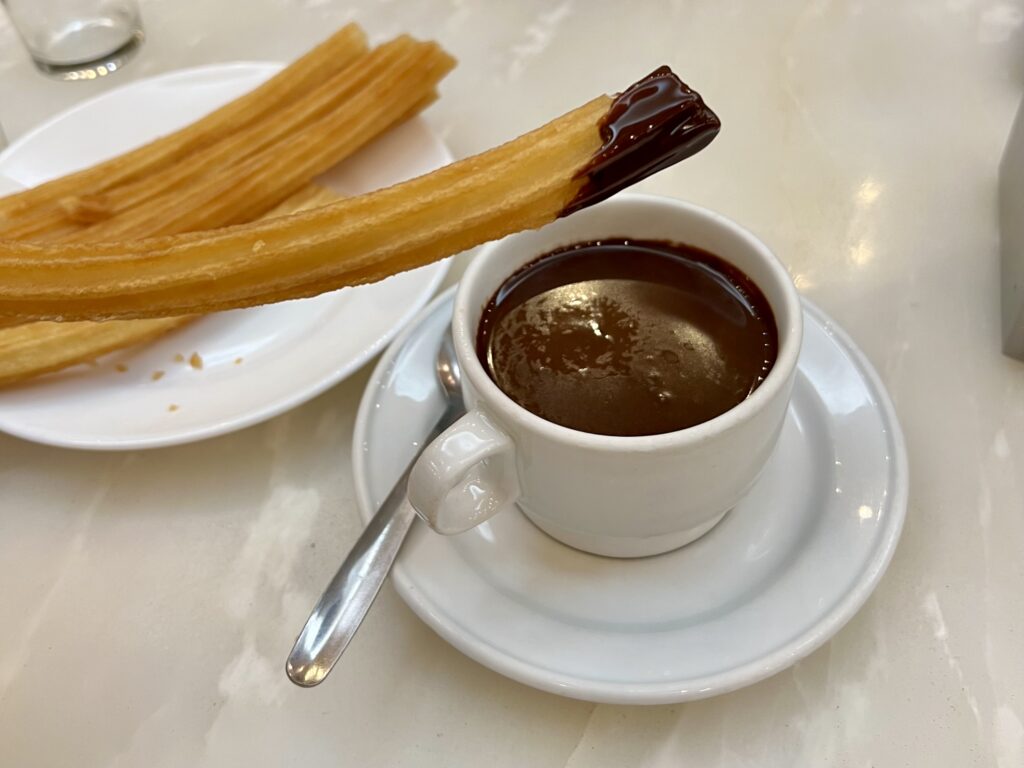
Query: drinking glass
pixel 77 39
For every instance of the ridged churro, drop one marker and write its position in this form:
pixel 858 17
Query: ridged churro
pixel 36 348
pixel 575 160
pixel 307 72
pixel 387 88
pixel 236 178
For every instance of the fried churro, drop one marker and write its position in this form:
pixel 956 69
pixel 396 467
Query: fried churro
pixel 30 350
pixel 387 89
pixel 574 161
pixel 314 129
pixel 237 178
pixel 306 73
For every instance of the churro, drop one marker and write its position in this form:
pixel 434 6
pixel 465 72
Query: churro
pixel 388 90
pixel 313 125
pixel 317 123
pixel 33 349
pixel 237 178
pixel 575 160
pixel 307 72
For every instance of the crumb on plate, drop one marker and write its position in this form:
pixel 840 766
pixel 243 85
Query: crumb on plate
pixel 196 361
pixel 157 375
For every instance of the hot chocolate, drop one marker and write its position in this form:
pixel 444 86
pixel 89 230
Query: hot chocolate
pixel 628 337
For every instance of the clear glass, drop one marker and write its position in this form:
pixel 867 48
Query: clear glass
pixel 77 39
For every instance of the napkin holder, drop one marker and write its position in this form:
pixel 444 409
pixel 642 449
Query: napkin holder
pixel 1011 222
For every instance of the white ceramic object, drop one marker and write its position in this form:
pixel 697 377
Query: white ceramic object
pixel 289 352
pixel 783 572
pixel 610 495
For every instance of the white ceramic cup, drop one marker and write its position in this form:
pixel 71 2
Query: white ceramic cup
pixel 610 495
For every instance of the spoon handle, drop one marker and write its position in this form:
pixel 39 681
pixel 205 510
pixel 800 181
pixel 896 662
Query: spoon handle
pixel 350 594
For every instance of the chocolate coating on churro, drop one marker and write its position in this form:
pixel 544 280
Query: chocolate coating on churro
pixel 655 123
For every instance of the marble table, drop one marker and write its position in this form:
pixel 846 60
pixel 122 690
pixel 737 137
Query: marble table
pixel 147 600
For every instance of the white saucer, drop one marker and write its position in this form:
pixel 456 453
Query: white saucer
pixel 776 579
pixel 289 352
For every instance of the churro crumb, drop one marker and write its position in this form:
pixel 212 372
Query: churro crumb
pixel 258 246
pixel 121 368
pixel 179 358
pixel 196 361
pixel 238 361
pixel 157 375
pixel 172 407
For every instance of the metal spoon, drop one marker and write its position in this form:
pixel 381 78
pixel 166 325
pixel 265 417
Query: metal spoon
pixel 351 592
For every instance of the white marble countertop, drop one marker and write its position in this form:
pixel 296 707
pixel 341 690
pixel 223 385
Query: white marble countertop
pixel 147 600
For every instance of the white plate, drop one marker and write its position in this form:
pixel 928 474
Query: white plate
pixel 776 579
pixel 290 352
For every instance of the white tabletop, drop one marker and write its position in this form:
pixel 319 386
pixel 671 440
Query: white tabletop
pixel 148 600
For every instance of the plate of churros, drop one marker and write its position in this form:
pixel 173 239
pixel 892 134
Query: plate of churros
pixel 228 144
pixel 231 212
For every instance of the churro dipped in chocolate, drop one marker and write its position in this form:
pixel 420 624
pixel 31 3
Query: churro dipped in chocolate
pixel 573 161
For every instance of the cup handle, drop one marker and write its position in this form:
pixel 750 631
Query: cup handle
pixel 465 476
